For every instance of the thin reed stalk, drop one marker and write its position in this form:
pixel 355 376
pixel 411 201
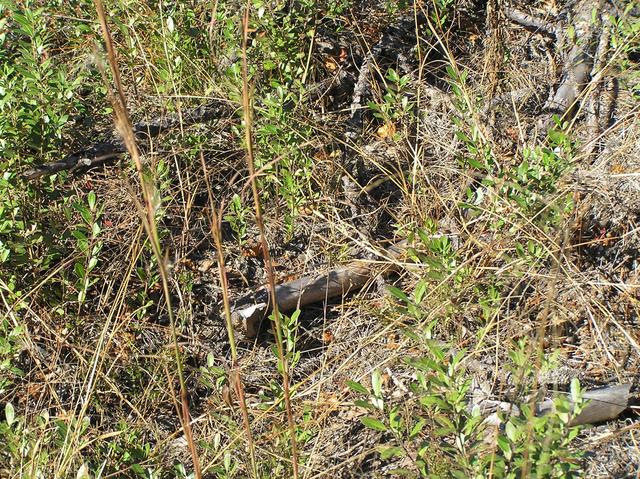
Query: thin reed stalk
pixel 235 377
pixel 277 324
pixel 125 128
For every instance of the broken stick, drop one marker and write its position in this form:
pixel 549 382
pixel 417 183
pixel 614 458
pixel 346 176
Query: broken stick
pixel 249 312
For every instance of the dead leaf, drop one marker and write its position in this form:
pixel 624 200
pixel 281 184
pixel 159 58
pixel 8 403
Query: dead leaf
pixel 330 64
pixel 343 55
pixel 205 265
pixel 617 168
pixel 253 250
pixel 387 130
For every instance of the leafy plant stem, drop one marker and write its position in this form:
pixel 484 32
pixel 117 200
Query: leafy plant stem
pixel 246 104
pixel 124 126
pixel 235 378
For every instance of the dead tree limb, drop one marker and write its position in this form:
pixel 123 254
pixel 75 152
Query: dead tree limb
pixel 248 313
pixel 603 404
pixel 112 149
pixel 530 22
pixel 579 61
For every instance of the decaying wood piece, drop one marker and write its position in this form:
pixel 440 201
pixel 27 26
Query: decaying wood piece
pixel 248 313
pixel 579 61
pixel 111 149
pixel 603 404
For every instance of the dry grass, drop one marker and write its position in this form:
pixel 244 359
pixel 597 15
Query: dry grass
pixel 147 374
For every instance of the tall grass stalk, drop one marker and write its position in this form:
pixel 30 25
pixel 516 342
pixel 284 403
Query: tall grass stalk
pixel 277 325
pixel 235 377
pixel 124 126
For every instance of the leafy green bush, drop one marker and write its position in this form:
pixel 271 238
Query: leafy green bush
pixel 439 407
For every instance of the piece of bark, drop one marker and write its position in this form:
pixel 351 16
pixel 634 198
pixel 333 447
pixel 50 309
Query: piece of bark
pixel 112 149
pixel 248 313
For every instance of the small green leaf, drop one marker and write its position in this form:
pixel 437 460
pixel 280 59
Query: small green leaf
pixel 421 289
pixel 357 387
pixel 575 390
pixel 417 428
pixel 92 263
pixel 376 383
pixel 398 293
pixel 9 413
pixel 511 431
pixel 139 470
pixel 401 472
pixel 91 200
pixel 387 452
pixel 78 268
pixel 364 404
pixel 373 423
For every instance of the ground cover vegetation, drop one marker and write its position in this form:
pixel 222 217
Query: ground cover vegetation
pixel 163 160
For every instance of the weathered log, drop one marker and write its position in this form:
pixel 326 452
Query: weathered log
pixel 603 404
pixel 111 149
pixel 248 313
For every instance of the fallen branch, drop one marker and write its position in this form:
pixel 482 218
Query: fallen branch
pixel 579 62
pixel 248 313
pixel 603 404
pixel 530 22
pixel 112 149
